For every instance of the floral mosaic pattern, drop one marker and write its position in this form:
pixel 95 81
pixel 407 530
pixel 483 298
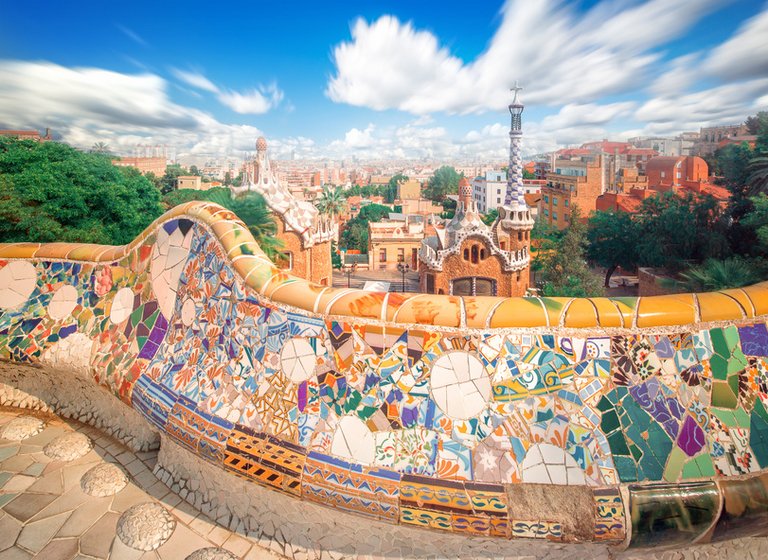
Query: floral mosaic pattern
pixel 409 423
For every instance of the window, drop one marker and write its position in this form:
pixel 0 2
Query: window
pixel 519 235
pixel 382 255
pixel 482 254
pixel 498 191
pixel 474 254
pixel 473 286
pixel 546 198
pixel 498 201
pixel 285 260
pixel 401 255
pixel 554 201
pixel 554 215
pixel 430 283
pixel 503 245
pixel 546 212
pixel 679 174
pixel 567 202
pixel 663 174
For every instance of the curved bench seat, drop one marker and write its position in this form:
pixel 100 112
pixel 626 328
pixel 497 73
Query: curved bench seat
pixel 632 421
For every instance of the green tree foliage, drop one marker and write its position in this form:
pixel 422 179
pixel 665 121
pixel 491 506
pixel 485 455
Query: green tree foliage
pixel 331 201
pixel 391 190
pixel 757 124
pixel 167 182
pixel 565 269
pixel 528 175
pixel 757 220
pixel 612 238
pixel 678 230
pixel 490 216
pixel 335 256
pixel 52 192
pixel 445 181
pixel 355 235
pixel 713 274
pixel 757 180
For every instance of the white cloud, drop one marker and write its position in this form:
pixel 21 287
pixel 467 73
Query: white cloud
pixel 744 55
pixel 254 102
pixel 558 55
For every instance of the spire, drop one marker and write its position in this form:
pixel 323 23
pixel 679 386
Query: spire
pixel 515 172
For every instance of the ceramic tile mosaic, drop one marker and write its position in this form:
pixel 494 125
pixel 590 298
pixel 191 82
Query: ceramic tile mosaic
pixel 413 423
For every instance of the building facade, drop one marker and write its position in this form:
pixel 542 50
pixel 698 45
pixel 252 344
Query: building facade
pixel 392 242
pixel 468 258
pixel 191 182
pixel 154 165
pixel 572 183
pixel 305 234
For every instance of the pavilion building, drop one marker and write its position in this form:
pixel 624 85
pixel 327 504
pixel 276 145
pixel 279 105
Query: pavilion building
pixel 305 234
pixel 467 257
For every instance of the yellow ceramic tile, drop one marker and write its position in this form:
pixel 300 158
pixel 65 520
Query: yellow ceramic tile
pixel 608 314
pixel 299 293
pixel 245 264
pixel 87 252
pixel 429 309
pixel 554 307
pixel 478 309
pixel 234 237
pixel 627 307
pixel 260 272
pixel 55 250
pixel 245 248
pixel 758 295
pixel 394 302
pixel 360 303
pixel 658 311
pixel 278 279
pixel 18 250
pixel 328 296
pixel 222 227
pixel 714 306
pixel 742 299
pixel 581 314
pixel 519 312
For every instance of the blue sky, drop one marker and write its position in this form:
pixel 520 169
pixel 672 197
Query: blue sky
pixel 378 79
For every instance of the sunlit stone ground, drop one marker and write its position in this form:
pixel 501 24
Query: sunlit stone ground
pixel 46 514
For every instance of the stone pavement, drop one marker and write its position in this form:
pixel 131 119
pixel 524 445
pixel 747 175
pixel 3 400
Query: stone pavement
pixel 44 512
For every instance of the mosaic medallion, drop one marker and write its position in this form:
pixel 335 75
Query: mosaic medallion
pixel 145 526
pixel 63 302
pixel 68 447
pixel 17 282
pixel 298 359
pixel 122 305
pixel 459 385
pixel 102 480
pixel 22 428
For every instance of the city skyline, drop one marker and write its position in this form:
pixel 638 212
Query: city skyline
pixel 390 81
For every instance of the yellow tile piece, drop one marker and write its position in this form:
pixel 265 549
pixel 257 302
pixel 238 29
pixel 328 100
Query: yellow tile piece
pixel 394 302
pixel 259 273
pixel 55 250
pixel 245 264
pixel 608 314
pixel 430 309
pixel 714 306
pixel 627 307
pixel 519 312
pixel 581 314
pixel 658 311
pixel 742 299
pixel 360 303
pixel 298 293
pixel 18 250
pixel 554 307
pixel 87 252
pixel 278 280
pixel 478 309
pixel 109 254
pixel 328 296
pixel 758 295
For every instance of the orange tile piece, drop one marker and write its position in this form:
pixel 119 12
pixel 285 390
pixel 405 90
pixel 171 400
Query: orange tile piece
pixel 581 314
pixel 430 309
pixel 658 311
pixel 55 250
pixel 478 309
pixel 18 250
pixel 328 296
pixel 714 306
pixel 519 312
pixel 360 303
pixel 608 314
pixel 758 295
pixel 87 252
pixel 394 302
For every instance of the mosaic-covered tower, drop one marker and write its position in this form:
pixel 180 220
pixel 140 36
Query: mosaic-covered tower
pixel 466 257
pixel 305 233
pixel 512 228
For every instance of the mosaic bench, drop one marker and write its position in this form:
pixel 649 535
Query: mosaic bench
pixel 630 421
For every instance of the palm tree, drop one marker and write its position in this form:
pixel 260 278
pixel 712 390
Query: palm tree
pixel 714 274
pixel 101 148
pixel 757 180
pixel 252 209
pixel 331 202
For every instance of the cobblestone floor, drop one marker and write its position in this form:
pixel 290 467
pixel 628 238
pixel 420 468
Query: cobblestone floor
pixel 44 513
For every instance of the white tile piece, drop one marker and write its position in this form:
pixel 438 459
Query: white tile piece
pixel 63 302
pixel 122 305
pixel 17 282
pixel 459 385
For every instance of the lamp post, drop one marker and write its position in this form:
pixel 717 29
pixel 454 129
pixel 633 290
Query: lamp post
pixel 403 268
pixel 349 272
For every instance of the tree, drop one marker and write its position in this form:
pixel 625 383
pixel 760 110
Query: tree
pixel 193 170
pixel 335 256
pixel 53 192
pixel 528 175
pixel 490 216
pixel 391 191
pixel 331 202
pixel 445 181
pixel 355 235
pixel 757 180
pixel 676 230
pixel 611 235
pixel 565 269
pixel 167 182
pixel 757 124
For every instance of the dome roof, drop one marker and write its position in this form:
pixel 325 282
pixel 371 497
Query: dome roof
pixel 261 144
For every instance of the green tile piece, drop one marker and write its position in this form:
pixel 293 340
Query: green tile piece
pixel 675 464
pixel 742 418
pixel 723 396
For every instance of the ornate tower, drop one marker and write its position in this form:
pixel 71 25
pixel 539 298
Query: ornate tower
pixel 515 191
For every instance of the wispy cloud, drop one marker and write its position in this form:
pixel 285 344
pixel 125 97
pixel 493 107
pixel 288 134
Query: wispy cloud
pixel 254 102
pixel 131 34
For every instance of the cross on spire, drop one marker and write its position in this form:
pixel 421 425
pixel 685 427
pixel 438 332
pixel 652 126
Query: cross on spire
pixel 516 89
